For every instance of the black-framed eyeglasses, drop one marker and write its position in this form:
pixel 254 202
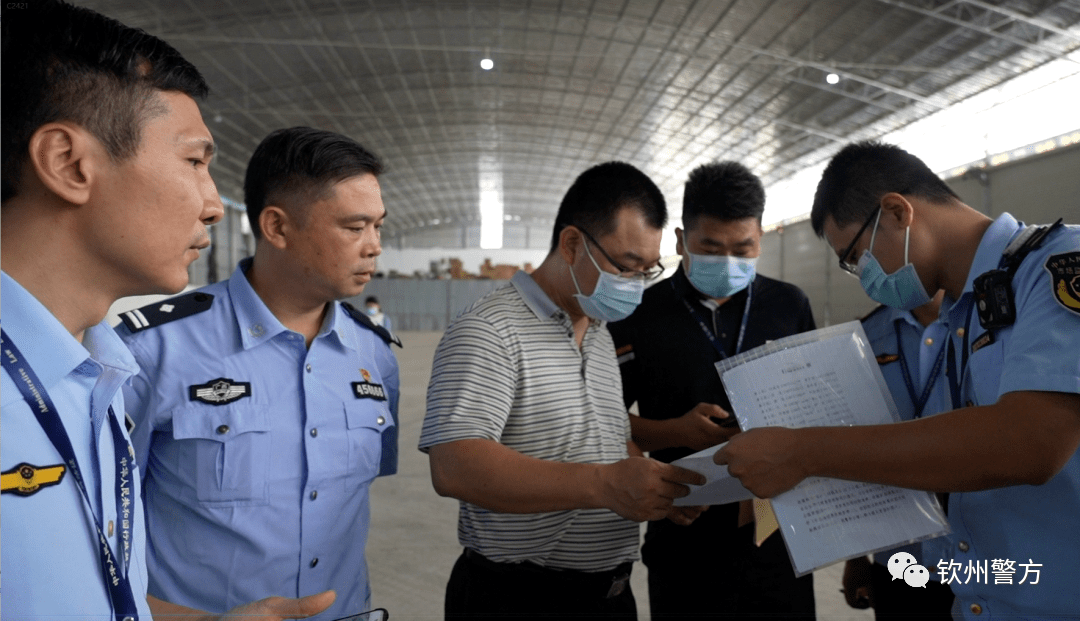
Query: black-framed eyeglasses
pixel 624 272
pixel 847 266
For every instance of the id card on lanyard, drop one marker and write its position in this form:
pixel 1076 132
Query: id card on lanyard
pixel 37 398
pixel 919 401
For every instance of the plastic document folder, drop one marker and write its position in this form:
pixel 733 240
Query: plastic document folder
pixel 825 377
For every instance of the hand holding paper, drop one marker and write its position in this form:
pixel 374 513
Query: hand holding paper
pixel 720 487
pixel 641 489
pixel 764 460
pixel 780 392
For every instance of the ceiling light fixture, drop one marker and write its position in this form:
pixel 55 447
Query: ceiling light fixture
pixel 486 64
pixel 832 78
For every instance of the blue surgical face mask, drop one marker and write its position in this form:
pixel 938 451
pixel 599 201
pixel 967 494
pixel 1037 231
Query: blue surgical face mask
pixel 720 276
pixel 372 310
pixel 902 289
pixel 613 298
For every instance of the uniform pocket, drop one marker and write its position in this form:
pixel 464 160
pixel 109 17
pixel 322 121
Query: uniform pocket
pixel 224 452
pixel 366 420
pixel 984 373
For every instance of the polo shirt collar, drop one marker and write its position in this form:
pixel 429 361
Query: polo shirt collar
pixel 535 297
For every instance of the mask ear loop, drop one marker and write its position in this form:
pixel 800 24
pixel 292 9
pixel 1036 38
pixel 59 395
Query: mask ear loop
pixel 873 235
pixel 595 264
pixel 907 239
pixel 689 257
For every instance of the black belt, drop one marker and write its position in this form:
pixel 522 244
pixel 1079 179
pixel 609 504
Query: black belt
pixel 611 582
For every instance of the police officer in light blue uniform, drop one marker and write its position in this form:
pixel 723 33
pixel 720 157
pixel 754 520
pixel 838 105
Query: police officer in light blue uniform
pixel 75 174
pixel 1007 451
pixel 1035 526
pixel 46 517
pixel 910 350
pixel 265 407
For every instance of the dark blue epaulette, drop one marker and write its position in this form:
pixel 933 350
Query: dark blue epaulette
pixel 161 313
pixel 366 321
pixel 879 308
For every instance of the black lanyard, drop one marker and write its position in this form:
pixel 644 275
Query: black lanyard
pixel 708 333
pixel 956 376
pixel 920 401
pixel 116 580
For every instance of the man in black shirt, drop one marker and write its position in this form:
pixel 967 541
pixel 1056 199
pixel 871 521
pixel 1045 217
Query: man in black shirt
pixel 714 306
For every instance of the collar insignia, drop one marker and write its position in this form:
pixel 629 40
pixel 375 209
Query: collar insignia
pixel 220 391
pixel 887 358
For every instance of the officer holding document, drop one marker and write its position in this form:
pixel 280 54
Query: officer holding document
pixel 1007 452
pixel 910 349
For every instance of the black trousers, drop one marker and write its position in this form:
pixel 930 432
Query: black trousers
pixel 896 600
pixel 736 580
pixel 482 589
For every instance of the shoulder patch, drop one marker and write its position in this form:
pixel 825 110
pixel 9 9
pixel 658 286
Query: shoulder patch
pixel 365 321
pixel 161 313
pixel 1065 279
pixel 879 308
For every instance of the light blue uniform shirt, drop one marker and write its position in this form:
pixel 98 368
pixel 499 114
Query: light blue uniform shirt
pixel 920 347
pixel 1024 524
pixel 50 565
pixel 267 493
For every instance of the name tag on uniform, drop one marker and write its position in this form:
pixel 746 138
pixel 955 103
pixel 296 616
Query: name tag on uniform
pixel 367 390
pixel 986 339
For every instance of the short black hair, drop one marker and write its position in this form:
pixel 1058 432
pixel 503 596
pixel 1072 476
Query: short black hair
pixel 294 167
pixel 371 300
pixel 600 192
pixel 722 190
pixel 62 62
pixel 861 173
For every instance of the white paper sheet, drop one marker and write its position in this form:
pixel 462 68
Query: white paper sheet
pixel 828 377
pixel 720 487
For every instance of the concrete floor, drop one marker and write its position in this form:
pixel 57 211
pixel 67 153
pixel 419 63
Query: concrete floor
pixel 413 541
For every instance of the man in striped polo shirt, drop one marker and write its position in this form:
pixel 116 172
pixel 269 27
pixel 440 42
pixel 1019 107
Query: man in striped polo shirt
pixel 525 423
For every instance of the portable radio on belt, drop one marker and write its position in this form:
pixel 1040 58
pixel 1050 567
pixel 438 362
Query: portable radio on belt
pixel 993 290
